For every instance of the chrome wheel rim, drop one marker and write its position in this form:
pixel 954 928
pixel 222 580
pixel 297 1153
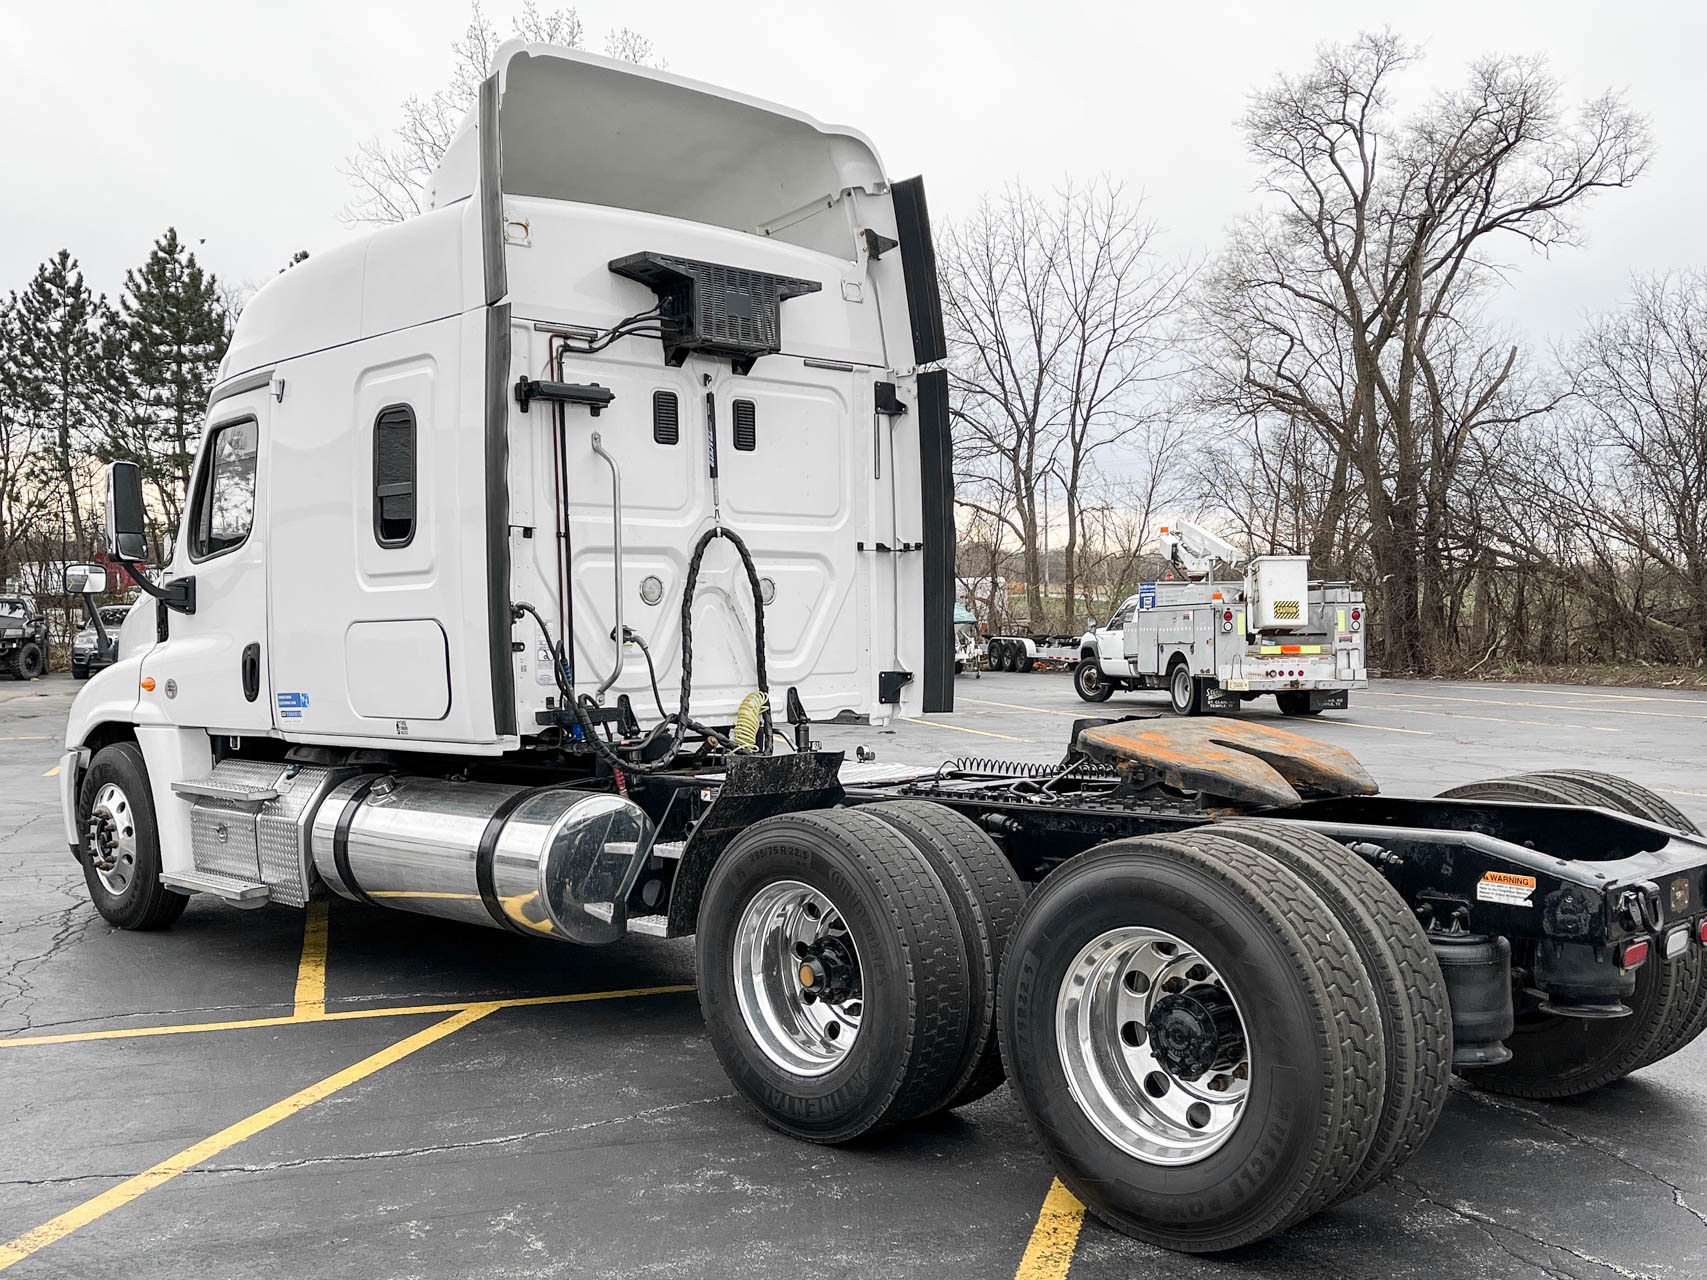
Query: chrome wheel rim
pixel 112 839
pixel 1118 1021
pixel 1089 678
pixel 797 978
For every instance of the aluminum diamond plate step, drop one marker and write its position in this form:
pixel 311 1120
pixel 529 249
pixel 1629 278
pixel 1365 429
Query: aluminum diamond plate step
pixel 231 888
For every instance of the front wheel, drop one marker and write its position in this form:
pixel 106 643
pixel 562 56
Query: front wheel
pixel 1201 1065
pixel 30 662
pixel 120 846
pixel 1088 681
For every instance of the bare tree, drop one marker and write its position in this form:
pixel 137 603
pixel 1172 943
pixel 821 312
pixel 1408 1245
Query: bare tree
pixel 1338 307
pixel 1059 316
pixel 391 174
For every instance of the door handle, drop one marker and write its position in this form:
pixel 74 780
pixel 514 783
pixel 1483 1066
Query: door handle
pixel 252 672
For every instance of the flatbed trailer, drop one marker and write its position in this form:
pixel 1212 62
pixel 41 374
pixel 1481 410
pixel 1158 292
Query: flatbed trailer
pixel 415 645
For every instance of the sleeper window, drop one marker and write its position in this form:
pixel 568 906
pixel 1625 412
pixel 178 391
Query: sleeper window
pixel 394 476
pixel 225 502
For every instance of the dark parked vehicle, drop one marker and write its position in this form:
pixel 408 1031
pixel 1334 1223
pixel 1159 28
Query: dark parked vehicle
pixel 90 650
pixel 23 639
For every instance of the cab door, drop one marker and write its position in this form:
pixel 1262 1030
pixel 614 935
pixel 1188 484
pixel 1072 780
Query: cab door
pixel 211 670
pixel 1111 640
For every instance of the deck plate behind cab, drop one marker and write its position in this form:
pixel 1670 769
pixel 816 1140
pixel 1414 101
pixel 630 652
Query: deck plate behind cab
pixel 1248 764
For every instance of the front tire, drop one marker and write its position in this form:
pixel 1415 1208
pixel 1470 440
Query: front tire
pixel 1089 683
pixel 31 662
pixel 1144 961
pixel 832 975
pixel 120 842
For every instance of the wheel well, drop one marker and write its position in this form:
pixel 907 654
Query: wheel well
pixel 106 733
pixel 1178 660
pixel 1088 652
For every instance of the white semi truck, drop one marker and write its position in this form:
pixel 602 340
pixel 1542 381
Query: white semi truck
pixel 509 521
pixel 1214 646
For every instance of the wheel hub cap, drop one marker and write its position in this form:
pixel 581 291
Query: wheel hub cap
pixel 1196 1031
pixel 1153 1046
pixel 112 838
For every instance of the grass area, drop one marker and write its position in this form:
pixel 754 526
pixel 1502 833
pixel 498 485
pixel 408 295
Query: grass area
pixel 1631 675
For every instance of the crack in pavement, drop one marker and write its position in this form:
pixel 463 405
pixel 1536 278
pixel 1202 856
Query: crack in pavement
pixel 1594 1144
pixel 400 1153
pixel 1486 1223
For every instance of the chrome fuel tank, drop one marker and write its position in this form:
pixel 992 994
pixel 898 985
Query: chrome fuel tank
pixel 553 863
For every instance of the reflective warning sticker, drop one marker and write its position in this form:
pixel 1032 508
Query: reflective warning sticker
pixel 1506 887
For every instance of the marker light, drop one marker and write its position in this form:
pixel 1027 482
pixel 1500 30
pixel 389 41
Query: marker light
pixel 1633 954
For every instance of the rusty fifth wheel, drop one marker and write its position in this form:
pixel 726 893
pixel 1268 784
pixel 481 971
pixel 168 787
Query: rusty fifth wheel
pixel 1195 1041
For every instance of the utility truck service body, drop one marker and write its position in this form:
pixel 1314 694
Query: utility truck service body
pixel 511 521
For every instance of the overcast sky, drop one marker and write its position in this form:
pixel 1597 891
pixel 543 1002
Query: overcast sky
pixel 229 120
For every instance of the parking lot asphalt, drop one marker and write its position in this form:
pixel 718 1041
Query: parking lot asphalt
pixel 356 1092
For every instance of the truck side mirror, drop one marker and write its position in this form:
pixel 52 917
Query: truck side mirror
pixel 85 580
pixel 127 528
pixel 1091 624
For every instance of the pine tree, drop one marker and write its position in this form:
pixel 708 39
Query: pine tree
pixel 24 501
pixel 172 333
pixel 65 353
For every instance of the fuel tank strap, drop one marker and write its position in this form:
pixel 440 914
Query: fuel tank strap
pixel 485 876
pixel 341 838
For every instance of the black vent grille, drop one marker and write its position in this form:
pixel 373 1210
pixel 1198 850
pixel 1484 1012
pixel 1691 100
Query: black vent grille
pixel 713 308
pixel 746 426
pixel 666 417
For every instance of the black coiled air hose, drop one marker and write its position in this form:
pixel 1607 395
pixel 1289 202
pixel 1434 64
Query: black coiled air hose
pixel 680 723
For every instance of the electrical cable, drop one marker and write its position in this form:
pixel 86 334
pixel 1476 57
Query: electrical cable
pixel 678 723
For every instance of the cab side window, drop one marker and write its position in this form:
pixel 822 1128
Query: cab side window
pixel 225 494
pixel 1121 617
pixel 394 476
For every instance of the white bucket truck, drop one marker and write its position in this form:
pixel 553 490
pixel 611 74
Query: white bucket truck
pixel 1215 645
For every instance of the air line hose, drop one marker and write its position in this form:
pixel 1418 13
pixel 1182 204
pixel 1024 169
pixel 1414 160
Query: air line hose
pixel 679 723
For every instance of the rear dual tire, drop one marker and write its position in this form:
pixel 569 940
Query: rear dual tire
pixel 847 965
pixel 1562 1057
pixel 1311 1041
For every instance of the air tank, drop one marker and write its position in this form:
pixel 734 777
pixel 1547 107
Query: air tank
pixel 546 862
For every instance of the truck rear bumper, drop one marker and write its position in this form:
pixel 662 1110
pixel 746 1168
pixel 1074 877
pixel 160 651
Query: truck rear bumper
pixel 1270 685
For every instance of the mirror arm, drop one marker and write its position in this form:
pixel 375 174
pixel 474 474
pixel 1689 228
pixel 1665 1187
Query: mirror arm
pixel 179 594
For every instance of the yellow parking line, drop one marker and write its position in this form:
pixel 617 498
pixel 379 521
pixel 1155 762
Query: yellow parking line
pixel 1049 1253
pixel 311 969
pixel 341 1015
pixel 52 773
pixel 15 1251
pixel 982 733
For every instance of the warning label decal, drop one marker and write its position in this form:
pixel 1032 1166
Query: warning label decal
pixel 1506 887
